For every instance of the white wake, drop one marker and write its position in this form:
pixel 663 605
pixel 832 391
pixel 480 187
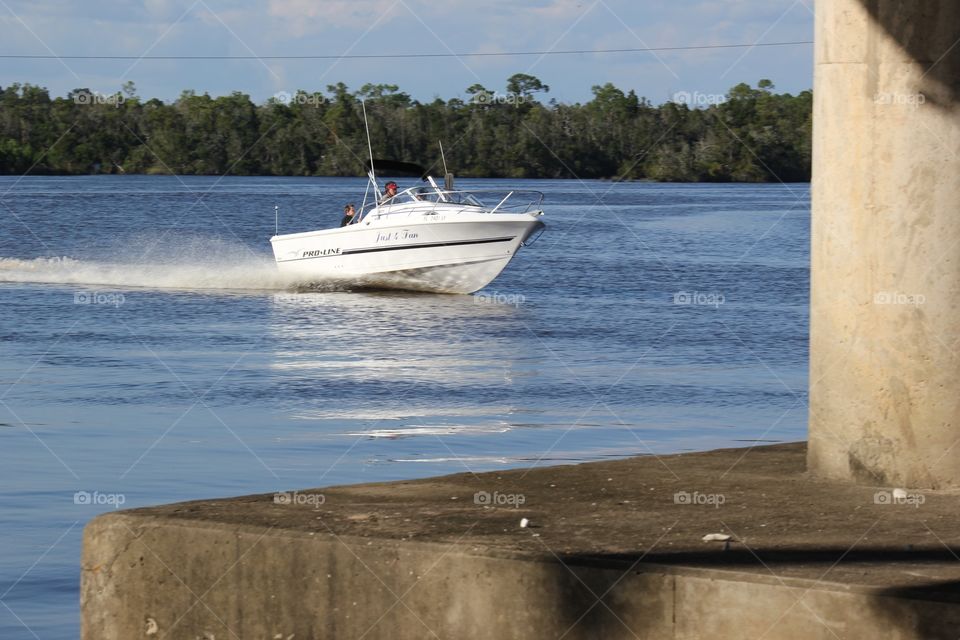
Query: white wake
pixel 158 261
pixel 251 273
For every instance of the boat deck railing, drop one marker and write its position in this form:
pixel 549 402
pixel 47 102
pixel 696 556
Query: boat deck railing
pixel 434 200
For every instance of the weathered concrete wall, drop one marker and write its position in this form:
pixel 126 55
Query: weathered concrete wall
pixel 808 558
pixel 885 317
pixel 150 577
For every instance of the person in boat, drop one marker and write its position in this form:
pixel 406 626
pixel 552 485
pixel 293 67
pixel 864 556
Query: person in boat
pixel 389 192
pixel 348 212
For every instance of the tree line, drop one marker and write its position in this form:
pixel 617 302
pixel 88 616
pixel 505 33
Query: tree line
pixel 750 134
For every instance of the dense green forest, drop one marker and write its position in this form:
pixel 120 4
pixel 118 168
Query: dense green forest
pixel 748 135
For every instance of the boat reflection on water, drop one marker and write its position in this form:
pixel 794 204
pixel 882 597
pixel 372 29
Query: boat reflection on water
pixel 388 365
pixel 464 383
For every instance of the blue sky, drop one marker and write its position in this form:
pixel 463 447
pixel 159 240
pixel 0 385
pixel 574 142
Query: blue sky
pixel 335 27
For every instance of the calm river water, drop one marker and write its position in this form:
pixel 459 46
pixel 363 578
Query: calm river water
pixel 151 353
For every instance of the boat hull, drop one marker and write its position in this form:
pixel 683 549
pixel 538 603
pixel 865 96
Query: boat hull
pixel 435 253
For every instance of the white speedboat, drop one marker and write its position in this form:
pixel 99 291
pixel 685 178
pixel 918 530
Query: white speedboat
pixel 425 238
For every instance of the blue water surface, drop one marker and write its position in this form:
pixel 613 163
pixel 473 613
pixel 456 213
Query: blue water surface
pixel 151 353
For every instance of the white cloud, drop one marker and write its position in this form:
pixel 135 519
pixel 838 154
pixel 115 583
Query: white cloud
pixel 163 9
pixel 309 17
pixel 331 27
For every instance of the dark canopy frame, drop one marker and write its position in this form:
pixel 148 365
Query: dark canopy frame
pixel 397 169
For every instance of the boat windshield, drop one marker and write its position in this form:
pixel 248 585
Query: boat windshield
pixel 469 198
pixel 427 194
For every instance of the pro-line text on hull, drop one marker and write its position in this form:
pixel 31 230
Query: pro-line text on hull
pixel 316 253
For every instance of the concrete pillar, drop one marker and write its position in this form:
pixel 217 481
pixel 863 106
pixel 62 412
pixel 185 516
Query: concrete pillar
pixel 885 301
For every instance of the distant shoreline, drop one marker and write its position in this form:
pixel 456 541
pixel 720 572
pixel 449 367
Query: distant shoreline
pixel 748 134
pixel 466 177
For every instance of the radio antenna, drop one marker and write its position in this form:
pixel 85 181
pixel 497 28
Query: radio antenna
pixel 366 126
pixel 372 174
pixel 442 157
